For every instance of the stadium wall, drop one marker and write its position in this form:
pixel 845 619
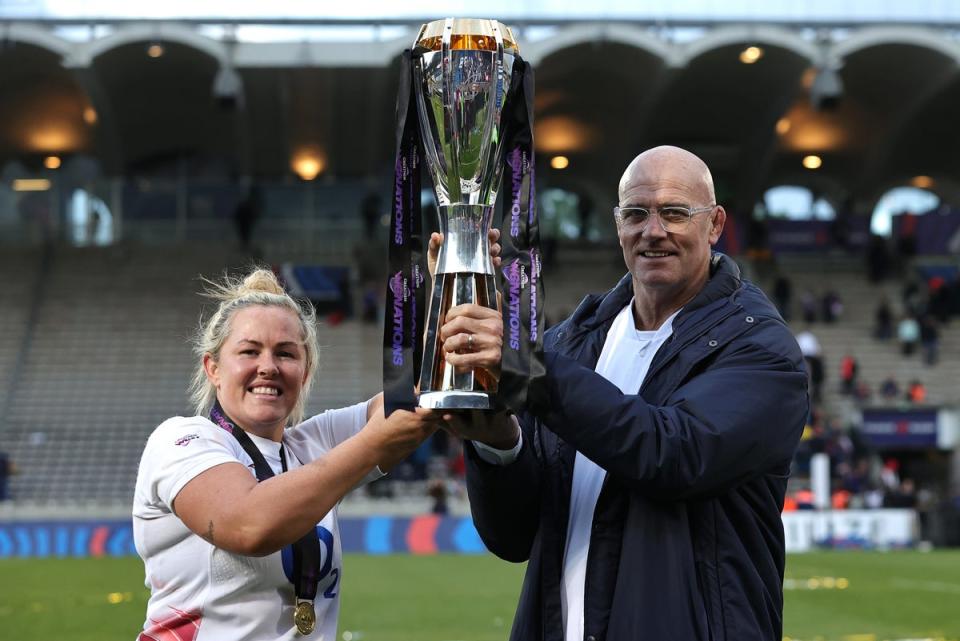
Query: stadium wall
pixel 431 534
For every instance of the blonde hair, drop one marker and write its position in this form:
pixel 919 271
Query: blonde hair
pixel 259 287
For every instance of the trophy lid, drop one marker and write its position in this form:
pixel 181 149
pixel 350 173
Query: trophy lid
pixel 467 33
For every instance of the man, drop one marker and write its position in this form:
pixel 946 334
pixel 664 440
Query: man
pixel 645 484
pixel 7 469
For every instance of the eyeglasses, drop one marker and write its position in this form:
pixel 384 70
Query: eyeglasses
pixel 673 218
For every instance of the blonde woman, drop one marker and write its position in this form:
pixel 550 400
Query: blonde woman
pixel 235 510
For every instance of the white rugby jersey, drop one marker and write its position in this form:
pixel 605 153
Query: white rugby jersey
pixel 199 592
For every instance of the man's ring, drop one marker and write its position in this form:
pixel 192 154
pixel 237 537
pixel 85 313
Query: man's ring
pixel 469 342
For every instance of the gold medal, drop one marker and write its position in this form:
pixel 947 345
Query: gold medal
pixel 304 617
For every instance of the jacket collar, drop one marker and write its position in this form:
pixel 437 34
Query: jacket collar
pixel 597 311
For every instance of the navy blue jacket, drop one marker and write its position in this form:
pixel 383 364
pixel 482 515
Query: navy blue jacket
pixel 687 540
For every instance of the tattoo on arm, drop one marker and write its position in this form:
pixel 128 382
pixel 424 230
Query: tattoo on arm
pixel 208 537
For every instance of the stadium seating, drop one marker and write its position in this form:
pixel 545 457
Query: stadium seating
pixel 853 332
pixel 107 356
pixel 108 359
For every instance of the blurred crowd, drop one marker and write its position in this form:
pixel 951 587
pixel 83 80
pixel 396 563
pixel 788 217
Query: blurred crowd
pixel 860 477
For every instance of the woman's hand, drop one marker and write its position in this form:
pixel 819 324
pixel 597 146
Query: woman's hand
pixel 394 438
pixel 436 239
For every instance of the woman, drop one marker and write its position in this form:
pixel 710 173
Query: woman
pixel 234 514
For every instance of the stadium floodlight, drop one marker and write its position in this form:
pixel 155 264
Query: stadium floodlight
pixel 827 89
pixel 228 89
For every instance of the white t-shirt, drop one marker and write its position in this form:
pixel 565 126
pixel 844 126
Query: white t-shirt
pixel 199 592
pixel 624 361
pixel 809 345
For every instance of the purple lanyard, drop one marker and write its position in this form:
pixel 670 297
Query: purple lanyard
pixel 306 549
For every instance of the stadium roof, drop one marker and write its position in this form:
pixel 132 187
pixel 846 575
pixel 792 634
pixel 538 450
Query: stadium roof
pixel 874 100
pixel 933 12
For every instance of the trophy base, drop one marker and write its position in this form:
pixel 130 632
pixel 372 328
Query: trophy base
pixel 455 400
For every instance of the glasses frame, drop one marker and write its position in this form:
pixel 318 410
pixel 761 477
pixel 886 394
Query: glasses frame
pixel 651 211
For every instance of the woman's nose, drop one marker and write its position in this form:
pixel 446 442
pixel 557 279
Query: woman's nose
pixel 267 365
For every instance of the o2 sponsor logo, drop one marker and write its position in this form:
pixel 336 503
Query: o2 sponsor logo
pixel 329 576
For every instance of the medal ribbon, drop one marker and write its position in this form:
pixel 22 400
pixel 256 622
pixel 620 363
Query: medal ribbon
pixel 306 549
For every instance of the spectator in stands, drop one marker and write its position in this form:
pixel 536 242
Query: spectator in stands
pixel 437 490
pixel 938 299
pixel 953 297
pixel 862 392
pixel 903 496
pixel 890 474
pixel 808 306
pixel 908 331
pixel 889 389
pixel 782 294
pixel 371 211
pixel 878 258
pixel 804 499
pixel 883 317
pixel 234 544
pixel 930 339
pixel 758 238
pixel 810 348
pixel 584 213
pixel 840 228
pixel 914 301
pixel 848 374
pixel 907 237
pixel 832 307
pixel 246 215
pixel 550 234
pixel 370 304
pixel 840 499
pixel 858 478
pixel 7 469
pixel 873 498
pixel 917 392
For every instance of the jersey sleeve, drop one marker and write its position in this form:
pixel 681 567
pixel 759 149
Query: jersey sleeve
pixel 177 452
pixel 323 432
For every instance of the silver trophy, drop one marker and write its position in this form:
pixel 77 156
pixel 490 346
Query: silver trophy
pixel 461 70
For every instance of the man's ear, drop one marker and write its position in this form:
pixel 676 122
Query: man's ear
pixel 716 224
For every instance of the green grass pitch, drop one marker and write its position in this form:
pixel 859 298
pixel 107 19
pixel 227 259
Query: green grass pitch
pixel 830 596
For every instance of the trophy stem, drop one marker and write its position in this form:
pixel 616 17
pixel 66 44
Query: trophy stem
pixel 441 386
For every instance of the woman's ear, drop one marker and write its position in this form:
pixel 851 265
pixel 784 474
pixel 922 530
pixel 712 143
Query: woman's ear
pixel 211 368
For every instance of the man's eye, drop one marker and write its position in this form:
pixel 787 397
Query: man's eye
pixel 673 214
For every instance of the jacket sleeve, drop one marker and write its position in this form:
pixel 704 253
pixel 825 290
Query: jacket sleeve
pixel 738 418
pixel 505 500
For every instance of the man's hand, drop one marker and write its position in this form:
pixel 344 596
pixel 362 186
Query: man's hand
pixel 499 430
pixel 472 337
pixel 436 239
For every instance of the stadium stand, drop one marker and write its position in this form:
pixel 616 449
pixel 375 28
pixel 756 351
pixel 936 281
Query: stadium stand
pixel 94 354
pixel 853 331
pixel 108 359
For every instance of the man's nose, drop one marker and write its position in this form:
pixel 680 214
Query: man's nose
pixel 654 226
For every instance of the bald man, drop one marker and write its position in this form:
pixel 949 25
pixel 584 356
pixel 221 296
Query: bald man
pixel 645 482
